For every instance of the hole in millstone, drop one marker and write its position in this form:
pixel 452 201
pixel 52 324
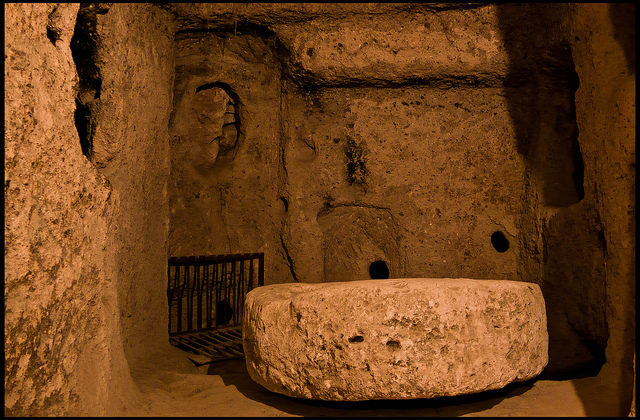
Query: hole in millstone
pixel 356 339
pixel 378 270
pixel 499 241
pixel 393 345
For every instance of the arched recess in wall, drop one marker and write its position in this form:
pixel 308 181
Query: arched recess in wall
pixel 216 106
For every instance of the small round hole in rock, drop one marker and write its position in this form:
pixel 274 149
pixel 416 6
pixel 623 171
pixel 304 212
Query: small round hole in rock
pixel 499 241
pixel 378 270
pixel 356 339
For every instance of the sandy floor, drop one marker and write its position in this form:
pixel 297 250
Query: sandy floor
pixel 225 389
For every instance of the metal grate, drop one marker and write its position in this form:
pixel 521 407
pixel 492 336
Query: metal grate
pixel 206 299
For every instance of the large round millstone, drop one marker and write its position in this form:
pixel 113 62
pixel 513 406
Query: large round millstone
pixel 394 339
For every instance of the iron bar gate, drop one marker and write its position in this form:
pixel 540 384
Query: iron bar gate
pixel 206 300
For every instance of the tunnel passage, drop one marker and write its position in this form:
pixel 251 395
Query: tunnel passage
pixel 378 270
pixel 428 141
pixel 138 230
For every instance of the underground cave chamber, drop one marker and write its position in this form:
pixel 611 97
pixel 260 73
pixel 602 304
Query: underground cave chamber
pixel 313 145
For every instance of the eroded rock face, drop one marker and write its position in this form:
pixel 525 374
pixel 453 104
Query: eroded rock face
pixel 416 157
pixel 394 339
pixel 440 49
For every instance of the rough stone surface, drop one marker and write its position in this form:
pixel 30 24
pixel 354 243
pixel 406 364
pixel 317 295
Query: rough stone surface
pixel 561 237
pixel 131 148
pixel 394 339
pixel 62 338
pixel 446 118
pixel 310 162
pixel 330 171
pixel 418 172
pixel 436 48
pixel 580 247
pixel 603 44
pixel 227 15
pixel 85 245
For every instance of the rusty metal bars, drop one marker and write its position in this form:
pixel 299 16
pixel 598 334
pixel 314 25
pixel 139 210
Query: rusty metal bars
pixel 207 292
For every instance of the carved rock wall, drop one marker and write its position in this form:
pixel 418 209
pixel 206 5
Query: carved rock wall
pixel 230 204
pixel 603 44
pixel 413 141
pixel 422 157
pixel 341 132
pixel 131 148
pixel 63 344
